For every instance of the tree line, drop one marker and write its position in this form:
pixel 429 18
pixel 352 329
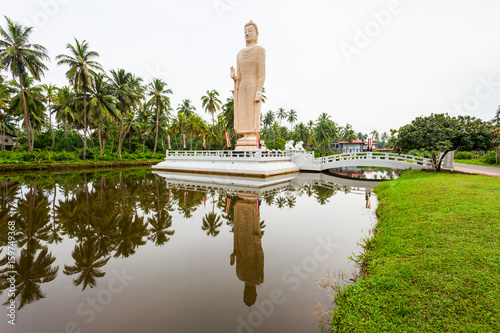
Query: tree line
pixel 103 108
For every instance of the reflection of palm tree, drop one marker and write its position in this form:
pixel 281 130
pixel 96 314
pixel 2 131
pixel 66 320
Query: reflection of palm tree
pixel 280 201
pixel 87 263
pixel 30 272
pixel 211 221
pixel 269 198
pixel 323 194
pixel 32 218
pixel 133 229
pixel 159 225
pixel 290 202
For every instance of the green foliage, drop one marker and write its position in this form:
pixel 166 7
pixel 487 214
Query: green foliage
pixel 440 132
pixel 490 158
pixel 463 155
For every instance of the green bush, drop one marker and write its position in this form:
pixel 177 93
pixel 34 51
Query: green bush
pixel 61 156
pixel 463 155
pixel 490 158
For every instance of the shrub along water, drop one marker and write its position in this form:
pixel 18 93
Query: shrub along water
pixel 433 263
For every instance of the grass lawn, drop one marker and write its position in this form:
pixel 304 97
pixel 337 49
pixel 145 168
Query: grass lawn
pixel 476 162
pixel 433 264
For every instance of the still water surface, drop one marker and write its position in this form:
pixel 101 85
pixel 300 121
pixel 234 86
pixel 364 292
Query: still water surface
pixel 132 251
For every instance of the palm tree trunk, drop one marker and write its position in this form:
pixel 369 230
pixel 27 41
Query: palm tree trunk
pixel 101 148
pixel 191 143
pixel 84 122
pixel 120 135
pixel 51 128
pixel 156 136
pixel 143 144
pixel 25 111
pixel 32 137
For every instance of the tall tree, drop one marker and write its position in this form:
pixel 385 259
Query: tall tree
pixel 158 91
pixel 440 132
pixel 268 118
pixel 81 69
pixel 281 114
pixel 212 104
pixel 102 104
pixel 50 91
pixel 19 56
pixel 64 107
pixel 33 99
pixel 186 107
pixel 128 90
pixel 292 117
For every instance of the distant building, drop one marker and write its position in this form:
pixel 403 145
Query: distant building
pixel 355 146
pixel 384 150
pixel 8 140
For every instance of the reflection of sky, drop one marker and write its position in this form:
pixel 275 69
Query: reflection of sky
pixel 187 285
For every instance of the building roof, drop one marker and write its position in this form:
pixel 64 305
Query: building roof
pixel 355 141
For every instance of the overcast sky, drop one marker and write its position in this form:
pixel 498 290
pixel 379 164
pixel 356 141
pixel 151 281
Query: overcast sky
pixel 373 64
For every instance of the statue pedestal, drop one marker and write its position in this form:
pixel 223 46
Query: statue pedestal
pixel 249 143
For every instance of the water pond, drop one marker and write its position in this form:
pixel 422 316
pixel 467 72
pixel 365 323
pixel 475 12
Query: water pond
pixel 134 251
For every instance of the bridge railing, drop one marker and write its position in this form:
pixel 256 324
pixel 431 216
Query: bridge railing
pixel 375 156
pixel 225 153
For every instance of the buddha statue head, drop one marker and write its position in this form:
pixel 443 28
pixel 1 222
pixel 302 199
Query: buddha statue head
pixel 251 33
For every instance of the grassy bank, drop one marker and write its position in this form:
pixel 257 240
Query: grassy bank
pixel 55 166
pixel 434 262
pixel 476 162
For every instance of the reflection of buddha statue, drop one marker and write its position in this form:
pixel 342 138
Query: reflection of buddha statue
pixel 248 252
pixel 248 82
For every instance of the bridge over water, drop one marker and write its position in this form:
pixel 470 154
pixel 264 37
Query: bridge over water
pixel 270 163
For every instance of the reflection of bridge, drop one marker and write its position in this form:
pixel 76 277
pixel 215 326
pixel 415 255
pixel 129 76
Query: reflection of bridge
pixel 252 187
pixel 262 164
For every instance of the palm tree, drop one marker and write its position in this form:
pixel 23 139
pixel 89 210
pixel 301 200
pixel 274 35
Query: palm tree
pixel 292 117
pixel 49 91
pixel 268 118
pixel 143 128
pixel 158 90
pixel 81 69
pixel 102 104
pixel 195 126
pixel 375 135
pixel 326 131
pixel 20 56
pixel 348 133
pixel 33 100
pixel 324 117
pixel 281 114
pixel 64 107
pixel 186 107
pixel 302 132
pixel 128 90
pixel 212 104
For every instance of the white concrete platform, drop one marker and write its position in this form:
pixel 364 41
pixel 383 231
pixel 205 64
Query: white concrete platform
pixel 256 164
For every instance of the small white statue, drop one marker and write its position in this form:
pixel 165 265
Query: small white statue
pixel 298 146
pixel 289 145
